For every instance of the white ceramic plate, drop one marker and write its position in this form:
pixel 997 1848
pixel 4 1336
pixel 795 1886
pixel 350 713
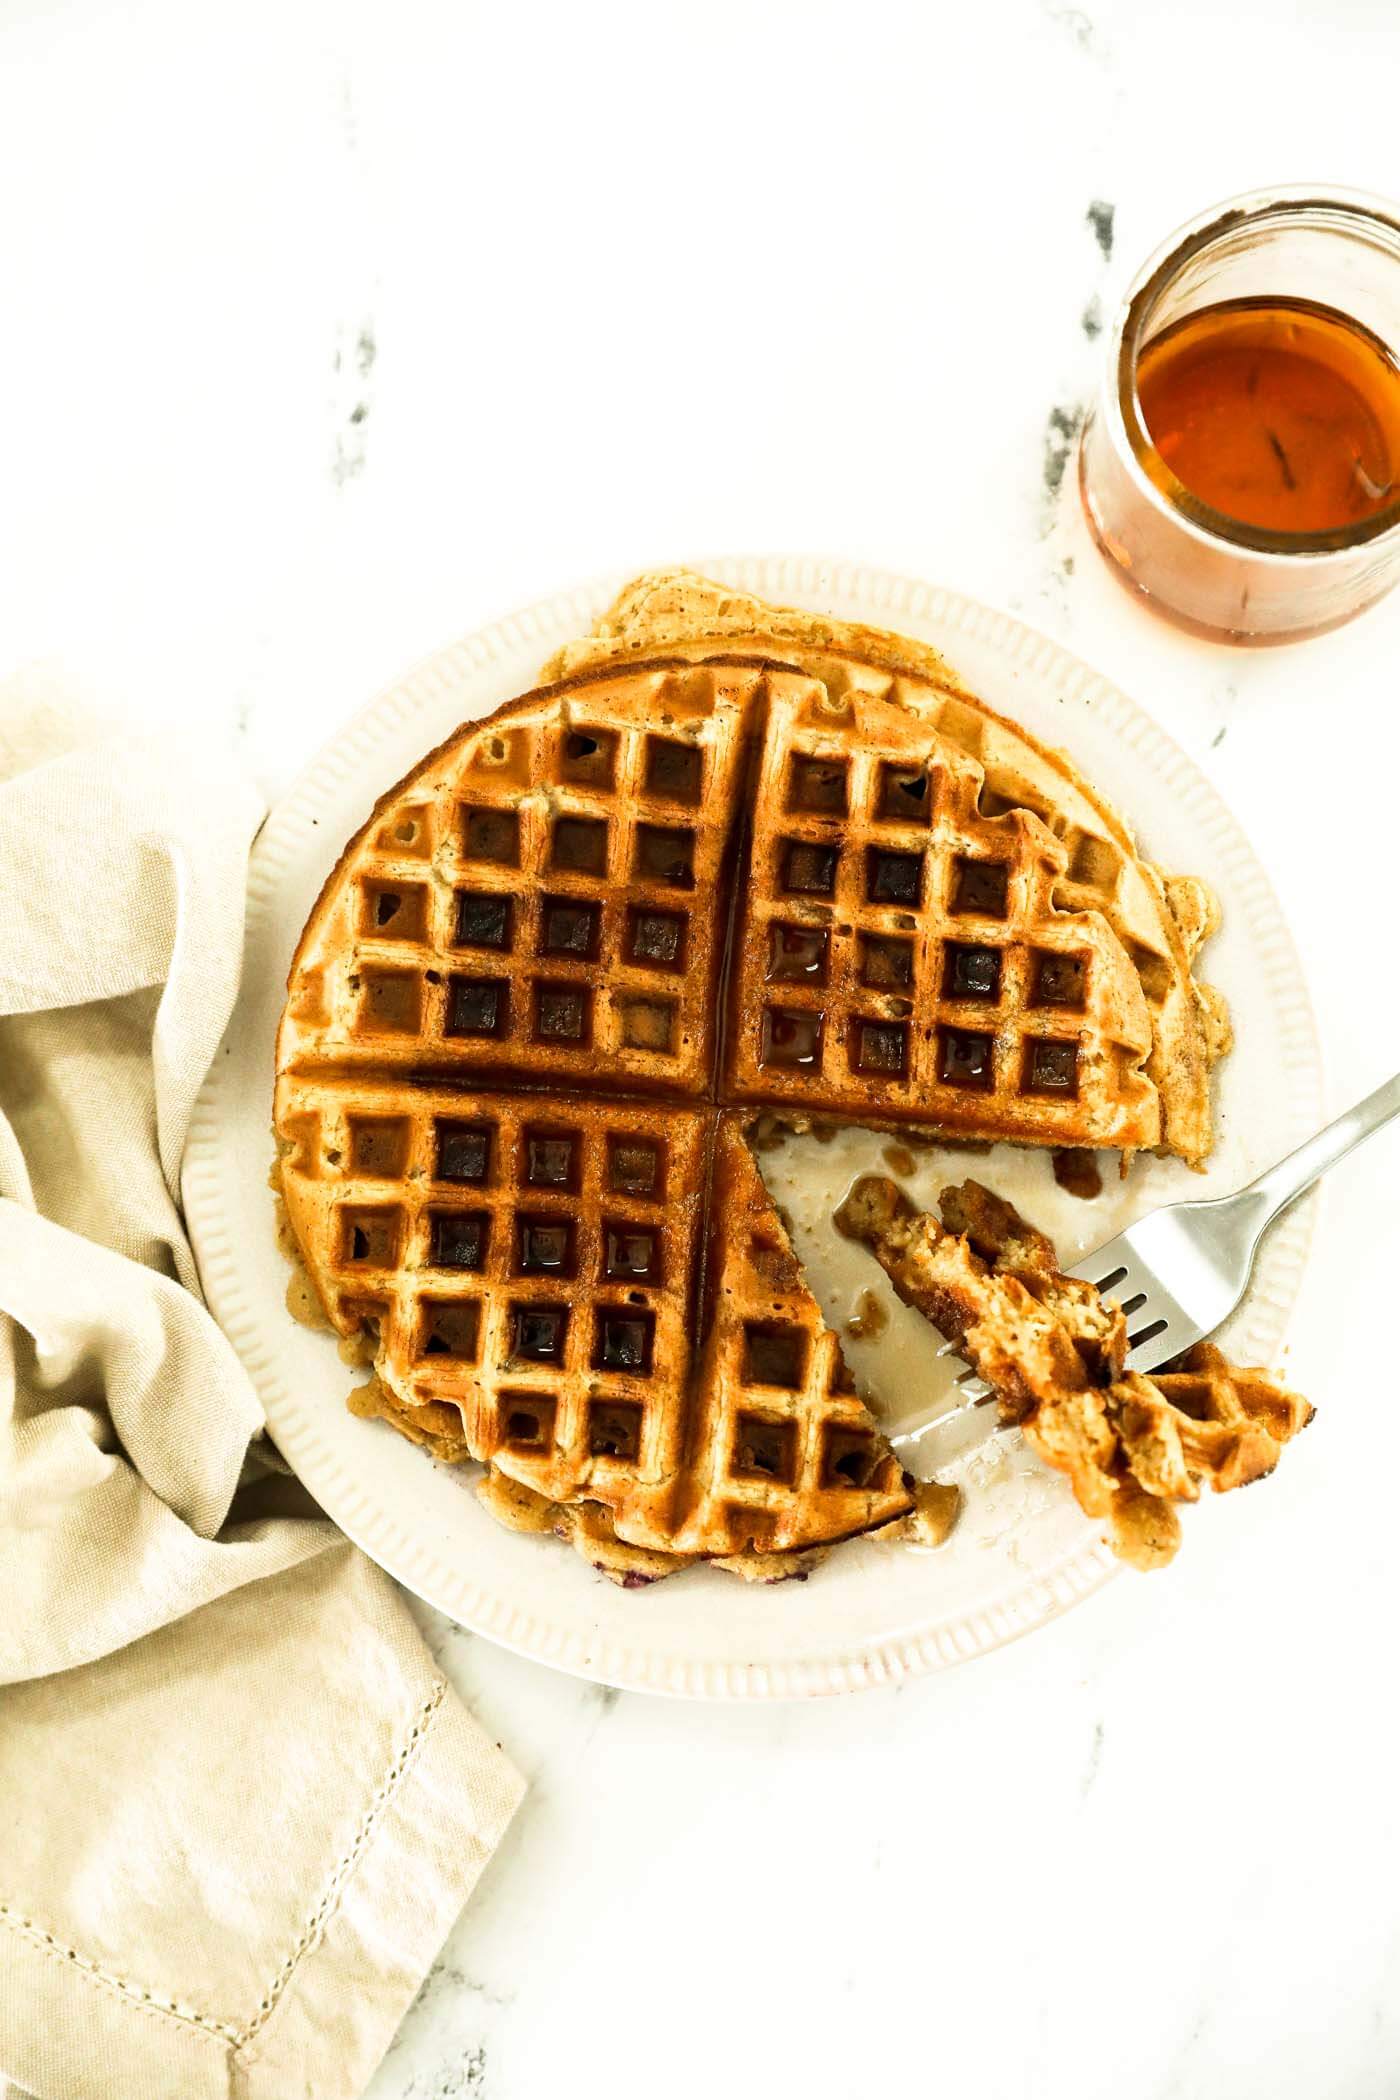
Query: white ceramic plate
pixel 1021 1552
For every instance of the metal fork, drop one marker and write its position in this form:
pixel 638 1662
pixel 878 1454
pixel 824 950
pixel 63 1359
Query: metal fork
pixel 1180 1271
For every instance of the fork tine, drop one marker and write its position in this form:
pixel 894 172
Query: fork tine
pixel 1158 1327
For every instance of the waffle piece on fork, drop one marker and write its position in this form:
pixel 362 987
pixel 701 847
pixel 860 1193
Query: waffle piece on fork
pixel 1131 1446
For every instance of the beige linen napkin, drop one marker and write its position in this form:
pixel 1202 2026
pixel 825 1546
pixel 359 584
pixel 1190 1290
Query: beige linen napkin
pixel 239 1807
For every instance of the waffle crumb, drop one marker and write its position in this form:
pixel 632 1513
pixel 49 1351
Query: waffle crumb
pixel 937 1507
pixel 868 1319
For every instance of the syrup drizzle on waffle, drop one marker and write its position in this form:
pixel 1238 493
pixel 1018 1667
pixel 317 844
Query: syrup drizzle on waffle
pixel 548 984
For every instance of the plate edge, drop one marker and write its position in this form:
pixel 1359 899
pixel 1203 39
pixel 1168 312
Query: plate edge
pixel 886 595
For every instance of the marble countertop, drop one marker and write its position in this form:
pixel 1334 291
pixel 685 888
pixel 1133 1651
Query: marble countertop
pixel 332 332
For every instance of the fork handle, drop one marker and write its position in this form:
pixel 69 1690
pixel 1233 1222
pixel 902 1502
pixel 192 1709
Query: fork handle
pixel 1277 1187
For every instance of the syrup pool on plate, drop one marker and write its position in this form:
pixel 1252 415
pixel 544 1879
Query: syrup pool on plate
pixel 903 1367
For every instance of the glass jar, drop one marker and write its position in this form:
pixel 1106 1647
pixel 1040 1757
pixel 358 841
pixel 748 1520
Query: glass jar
pixel 1230 580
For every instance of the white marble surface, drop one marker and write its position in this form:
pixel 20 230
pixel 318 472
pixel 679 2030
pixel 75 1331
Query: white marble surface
pixel 332 331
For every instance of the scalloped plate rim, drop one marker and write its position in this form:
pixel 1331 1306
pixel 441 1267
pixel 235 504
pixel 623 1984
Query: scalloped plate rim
pixel 875 596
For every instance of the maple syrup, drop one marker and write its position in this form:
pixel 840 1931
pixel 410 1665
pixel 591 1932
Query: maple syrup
pixel 868 1319
pixel 1240 463
pixel 459 1239
pixel 632 1253
pixel 550 1161
pixel 797 951
pixel 1278 412
pixel 625 1343
pixel 546 1245
pixel 1078 1174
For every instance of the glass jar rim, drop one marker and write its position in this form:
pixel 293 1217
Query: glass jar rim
pixel 1354 212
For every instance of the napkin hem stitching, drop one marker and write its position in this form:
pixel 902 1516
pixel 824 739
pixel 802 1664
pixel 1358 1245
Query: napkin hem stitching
pixel 168 2008
pixel 148 2001
pixel 379 1802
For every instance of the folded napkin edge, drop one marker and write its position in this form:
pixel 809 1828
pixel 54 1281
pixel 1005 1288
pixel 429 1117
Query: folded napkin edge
pixel 432 1822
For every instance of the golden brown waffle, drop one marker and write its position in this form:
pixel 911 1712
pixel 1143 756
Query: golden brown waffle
pixel 898 954
pixel 1130 1446
pixel 1161 921
pixel 545 895
pixel 528 1260
pixel 590 1530
pixel 500 917
pixel 546 983
pixel 529 1269
pixel 777 1429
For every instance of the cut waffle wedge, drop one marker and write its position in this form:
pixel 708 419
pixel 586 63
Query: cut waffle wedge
pixel 529 1272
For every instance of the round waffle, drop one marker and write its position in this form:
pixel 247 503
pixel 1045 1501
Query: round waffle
pixel 543 991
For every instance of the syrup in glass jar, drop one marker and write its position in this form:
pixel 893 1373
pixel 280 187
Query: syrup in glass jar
pixel 1240 463
pixel 1279 412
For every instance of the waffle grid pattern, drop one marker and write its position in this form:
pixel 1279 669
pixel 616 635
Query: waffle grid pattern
pixel 575 848
pixel 528 1260
pixel 906 943
pixel 782 1429
pixel 559 906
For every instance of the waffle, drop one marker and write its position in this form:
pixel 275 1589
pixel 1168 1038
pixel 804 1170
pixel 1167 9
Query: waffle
pixel 1053 1351
pixel 879 900
pixel 589 1528
pixel 544 896
pixel 1161 921
pixel 528 1271
pixel 549 897
pixel 549 983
